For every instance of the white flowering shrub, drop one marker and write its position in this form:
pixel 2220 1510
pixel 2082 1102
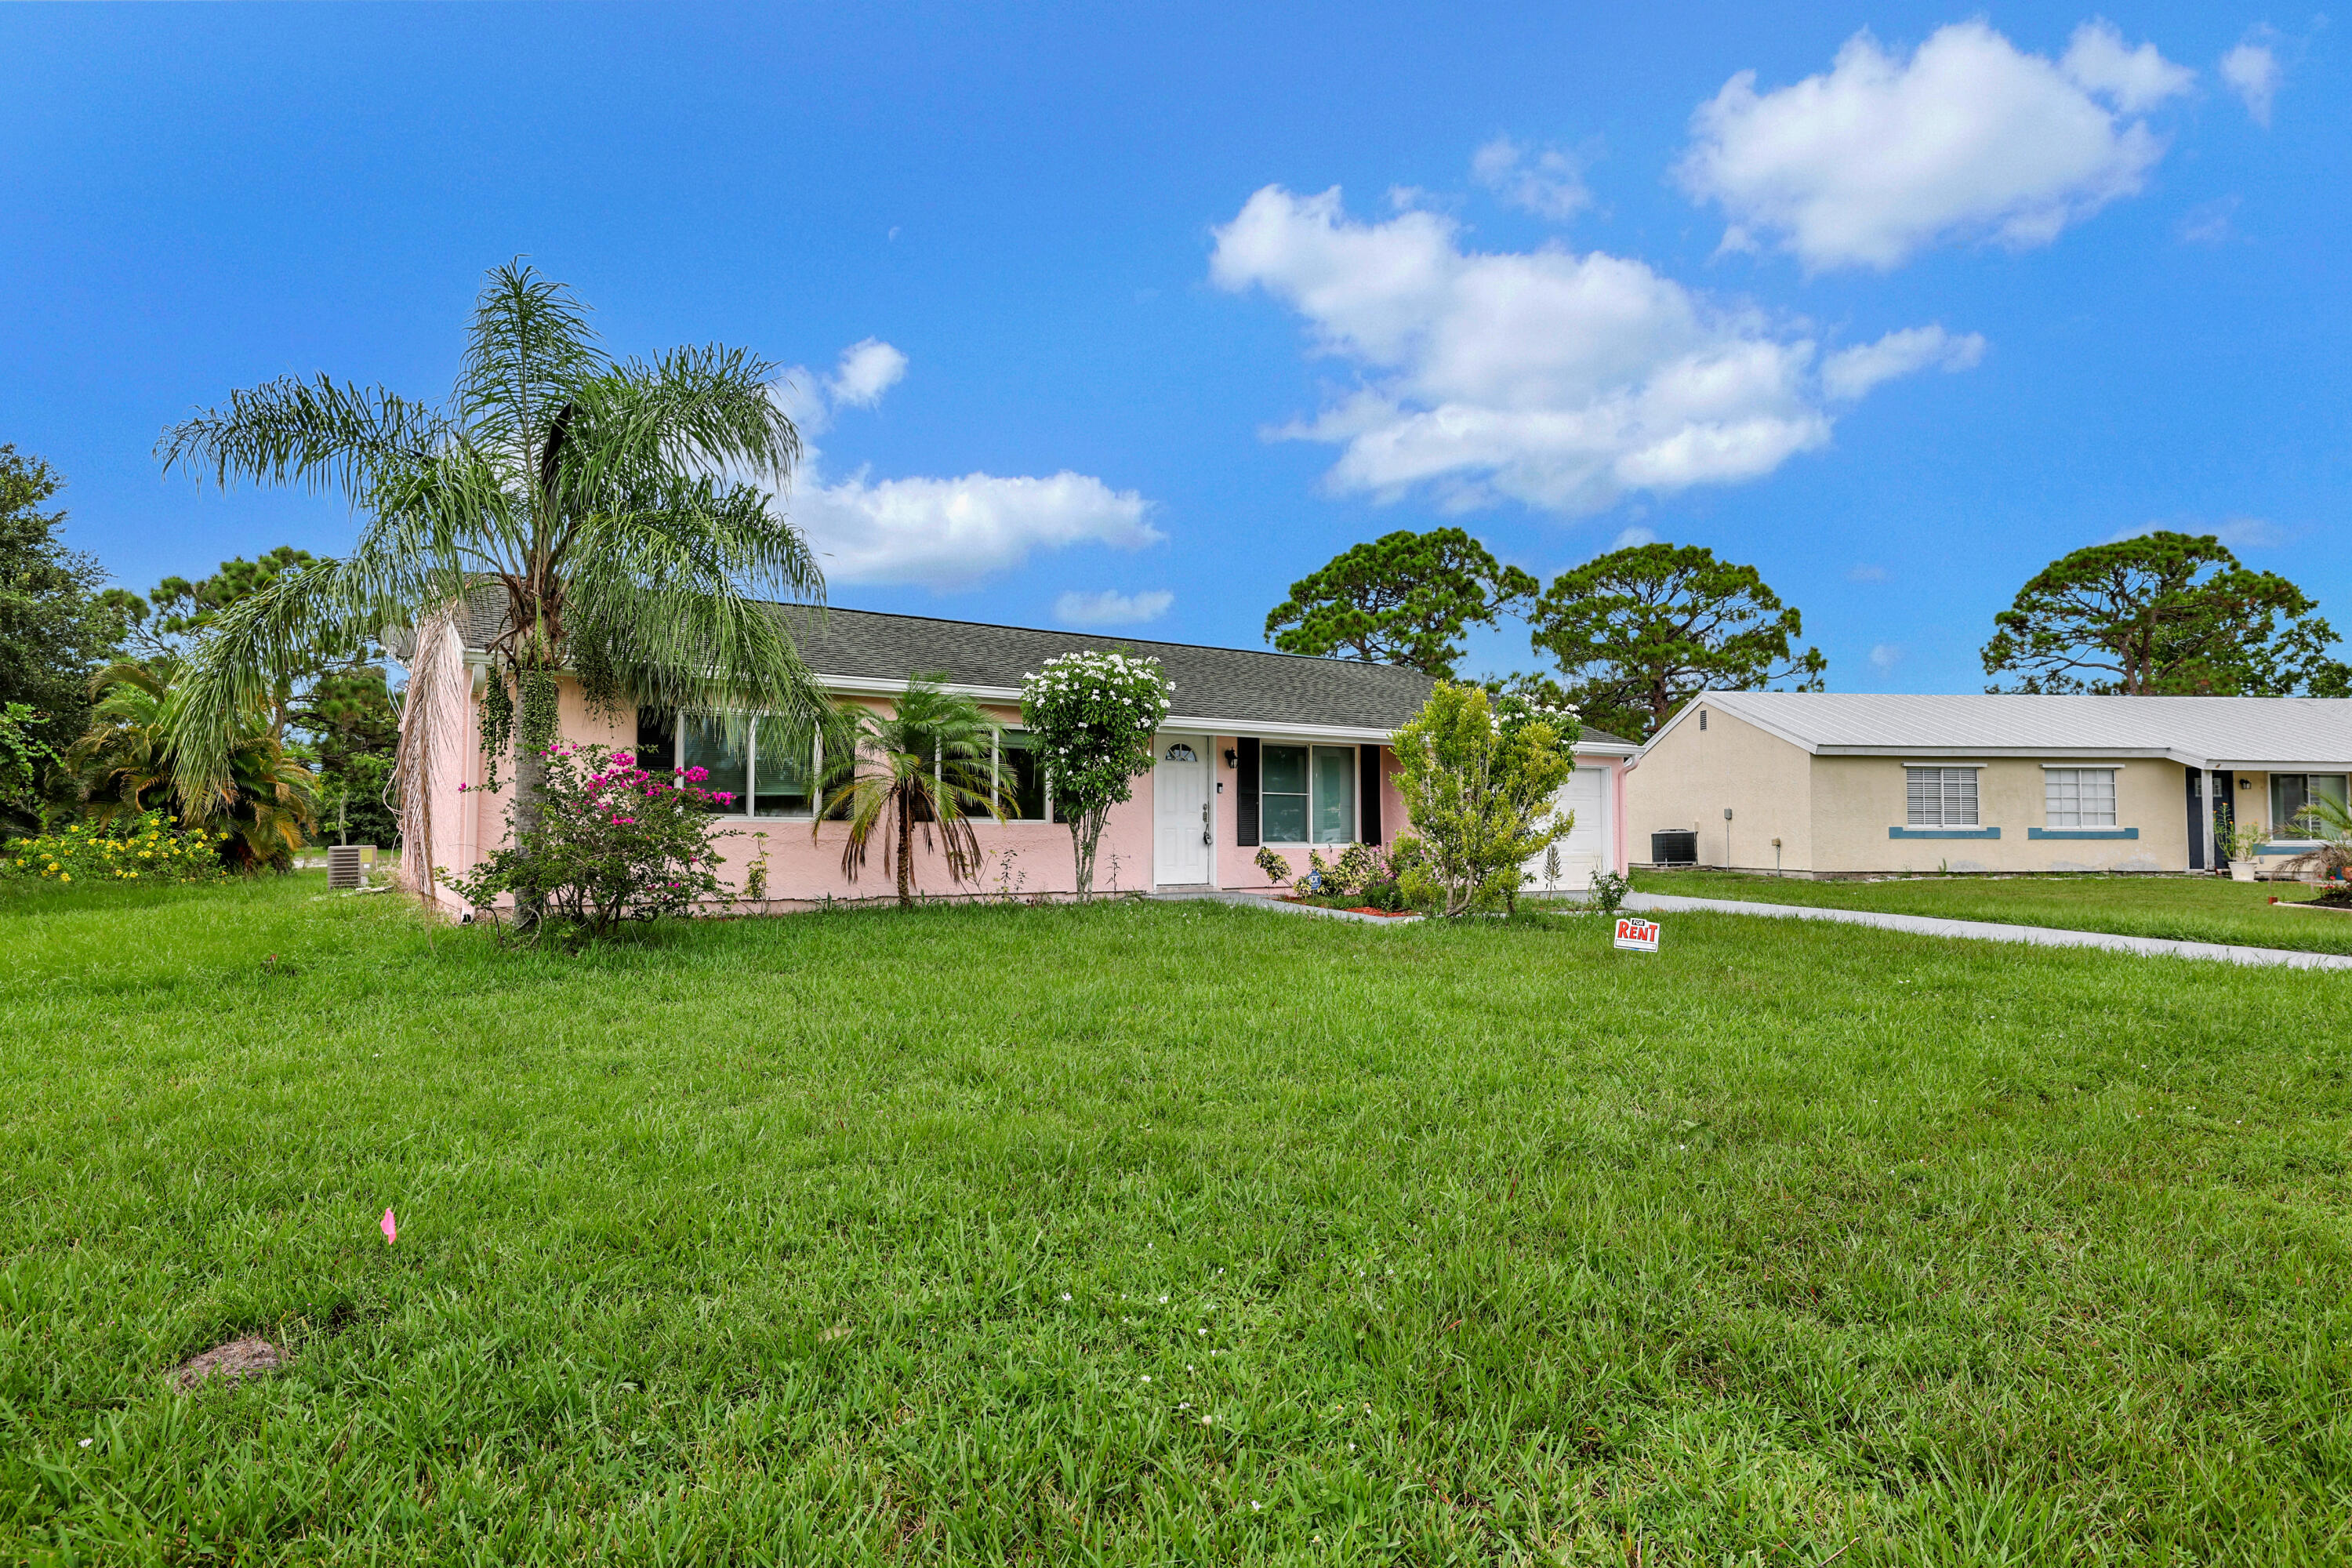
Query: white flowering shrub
pixel 1093 716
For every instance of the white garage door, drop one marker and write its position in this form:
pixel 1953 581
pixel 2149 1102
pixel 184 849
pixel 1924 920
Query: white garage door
pixel 1586 849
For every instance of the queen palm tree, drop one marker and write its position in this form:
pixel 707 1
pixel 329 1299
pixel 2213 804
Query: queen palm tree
pixel 613 509
pixel 926 766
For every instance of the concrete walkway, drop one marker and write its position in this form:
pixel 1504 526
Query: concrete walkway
pixel 1988 930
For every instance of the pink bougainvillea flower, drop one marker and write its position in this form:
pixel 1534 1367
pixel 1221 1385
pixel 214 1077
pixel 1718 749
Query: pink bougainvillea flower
pixel 461 789
pixel 390 1226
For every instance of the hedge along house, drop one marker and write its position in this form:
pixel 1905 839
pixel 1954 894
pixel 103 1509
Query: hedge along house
pixel 1831 784
pixel 1259 750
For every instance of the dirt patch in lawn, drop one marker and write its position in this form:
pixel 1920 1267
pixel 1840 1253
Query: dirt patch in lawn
pixel 232 1363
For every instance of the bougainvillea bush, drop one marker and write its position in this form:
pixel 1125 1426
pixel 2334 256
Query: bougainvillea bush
pixel 614 843
pixel 1093 715
pixel 128 850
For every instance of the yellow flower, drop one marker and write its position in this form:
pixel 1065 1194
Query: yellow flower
pixel 65 876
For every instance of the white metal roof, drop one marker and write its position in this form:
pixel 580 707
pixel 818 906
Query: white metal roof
pixel 2294 733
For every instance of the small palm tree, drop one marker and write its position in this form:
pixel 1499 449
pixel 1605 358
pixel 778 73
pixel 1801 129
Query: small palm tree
pixel 928 765
pixel 614 507
pixel 124 759
pixel 129 759
pixel 2330 822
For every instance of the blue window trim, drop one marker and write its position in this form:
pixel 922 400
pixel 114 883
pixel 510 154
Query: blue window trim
pixel 2081 833
pixel 2304 847
pixel 1943 833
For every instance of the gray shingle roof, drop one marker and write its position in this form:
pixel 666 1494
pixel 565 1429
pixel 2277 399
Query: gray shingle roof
pixel 1245 685
pixel 1239 684
pixel 1242 685
pixel 2248 730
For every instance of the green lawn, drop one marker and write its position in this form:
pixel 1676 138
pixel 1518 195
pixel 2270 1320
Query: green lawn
pixel 1161 1232
pixel 2195 909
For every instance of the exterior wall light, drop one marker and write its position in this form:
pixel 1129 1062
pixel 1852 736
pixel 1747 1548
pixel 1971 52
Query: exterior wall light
pixel 1233 758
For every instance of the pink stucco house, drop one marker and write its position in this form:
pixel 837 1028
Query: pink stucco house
pixel 1260 749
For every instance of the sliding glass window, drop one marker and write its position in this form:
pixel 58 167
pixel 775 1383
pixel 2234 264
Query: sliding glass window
pixel 1282 793
pixel 1024 775
pixel 761 768
pixel 781 769
pixel 1307 794
pixel 2293 794
pixel 1335 794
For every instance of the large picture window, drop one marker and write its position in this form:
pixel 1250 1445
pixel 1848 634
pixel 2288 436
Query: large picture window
pixel 762 766
pixel 2079 797
pixel 771 775
pixel 2291 792
pixel 1940 798
pixel 1307 794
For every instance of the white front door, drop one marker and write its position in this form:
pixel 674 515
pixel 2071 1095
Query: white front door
pixel 1182 829
pixel 1586 849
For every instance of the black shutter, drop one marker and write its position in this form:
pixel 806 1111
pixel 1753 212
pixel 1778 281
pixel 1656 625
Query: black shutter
pixel 1368 794
pixel 1245 792
pixel 2196 828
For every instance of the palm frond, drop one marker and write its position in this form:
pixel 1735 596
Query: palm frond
pixel 272 636
pixel 317 434
pixel 530 348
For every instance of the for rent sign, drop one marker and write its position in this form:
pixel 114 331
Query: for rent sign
pixel 1637 935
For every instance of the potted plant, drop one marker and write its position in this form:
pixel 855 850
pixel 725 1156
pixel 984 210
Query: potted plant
pixel 2241 844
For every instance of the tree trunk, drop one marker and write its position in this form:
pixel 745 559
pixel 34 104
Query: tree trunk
pixel 905 849
pixel 529 810
pixel 1085 836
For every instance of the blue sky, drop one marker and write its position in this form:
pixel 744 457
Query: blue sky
pixel 1929 298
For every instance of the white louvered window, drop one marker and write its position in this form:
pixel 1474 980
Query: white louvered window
pixel 2079 797
pixel 1941 798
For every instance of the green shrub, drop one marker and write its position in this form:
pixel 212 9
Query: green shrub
pixel 613 842
pixel 149 847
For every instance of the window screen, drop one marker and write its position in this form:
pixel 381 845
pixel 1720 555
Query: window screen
pixel 1282 780
pixel 704 742
pixel 1940 798
pixel 2079 797
pixel 1335 794
pixel 780 770
pixel 2292 792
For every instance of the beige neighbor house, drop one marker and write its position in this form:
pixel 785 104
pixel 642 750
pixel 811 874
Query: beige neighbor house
pixel 1832 784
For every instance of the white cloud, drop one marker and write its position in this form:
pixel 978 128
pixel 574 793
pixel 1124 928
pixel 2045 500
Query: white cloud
pixel 2234 532
pixel 1558 380
pixel 2252 70
pixel 2136 80
pixel 944 533
pixel 947 533
pixel 1866 574
pixel 866 371
pixel 2251 533
pixel 1885 655
pixel 1969 138
pixel 1549 184
pixel 1628 538
pixel 1850 372
pixel 1112 608
pixel 2208 222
